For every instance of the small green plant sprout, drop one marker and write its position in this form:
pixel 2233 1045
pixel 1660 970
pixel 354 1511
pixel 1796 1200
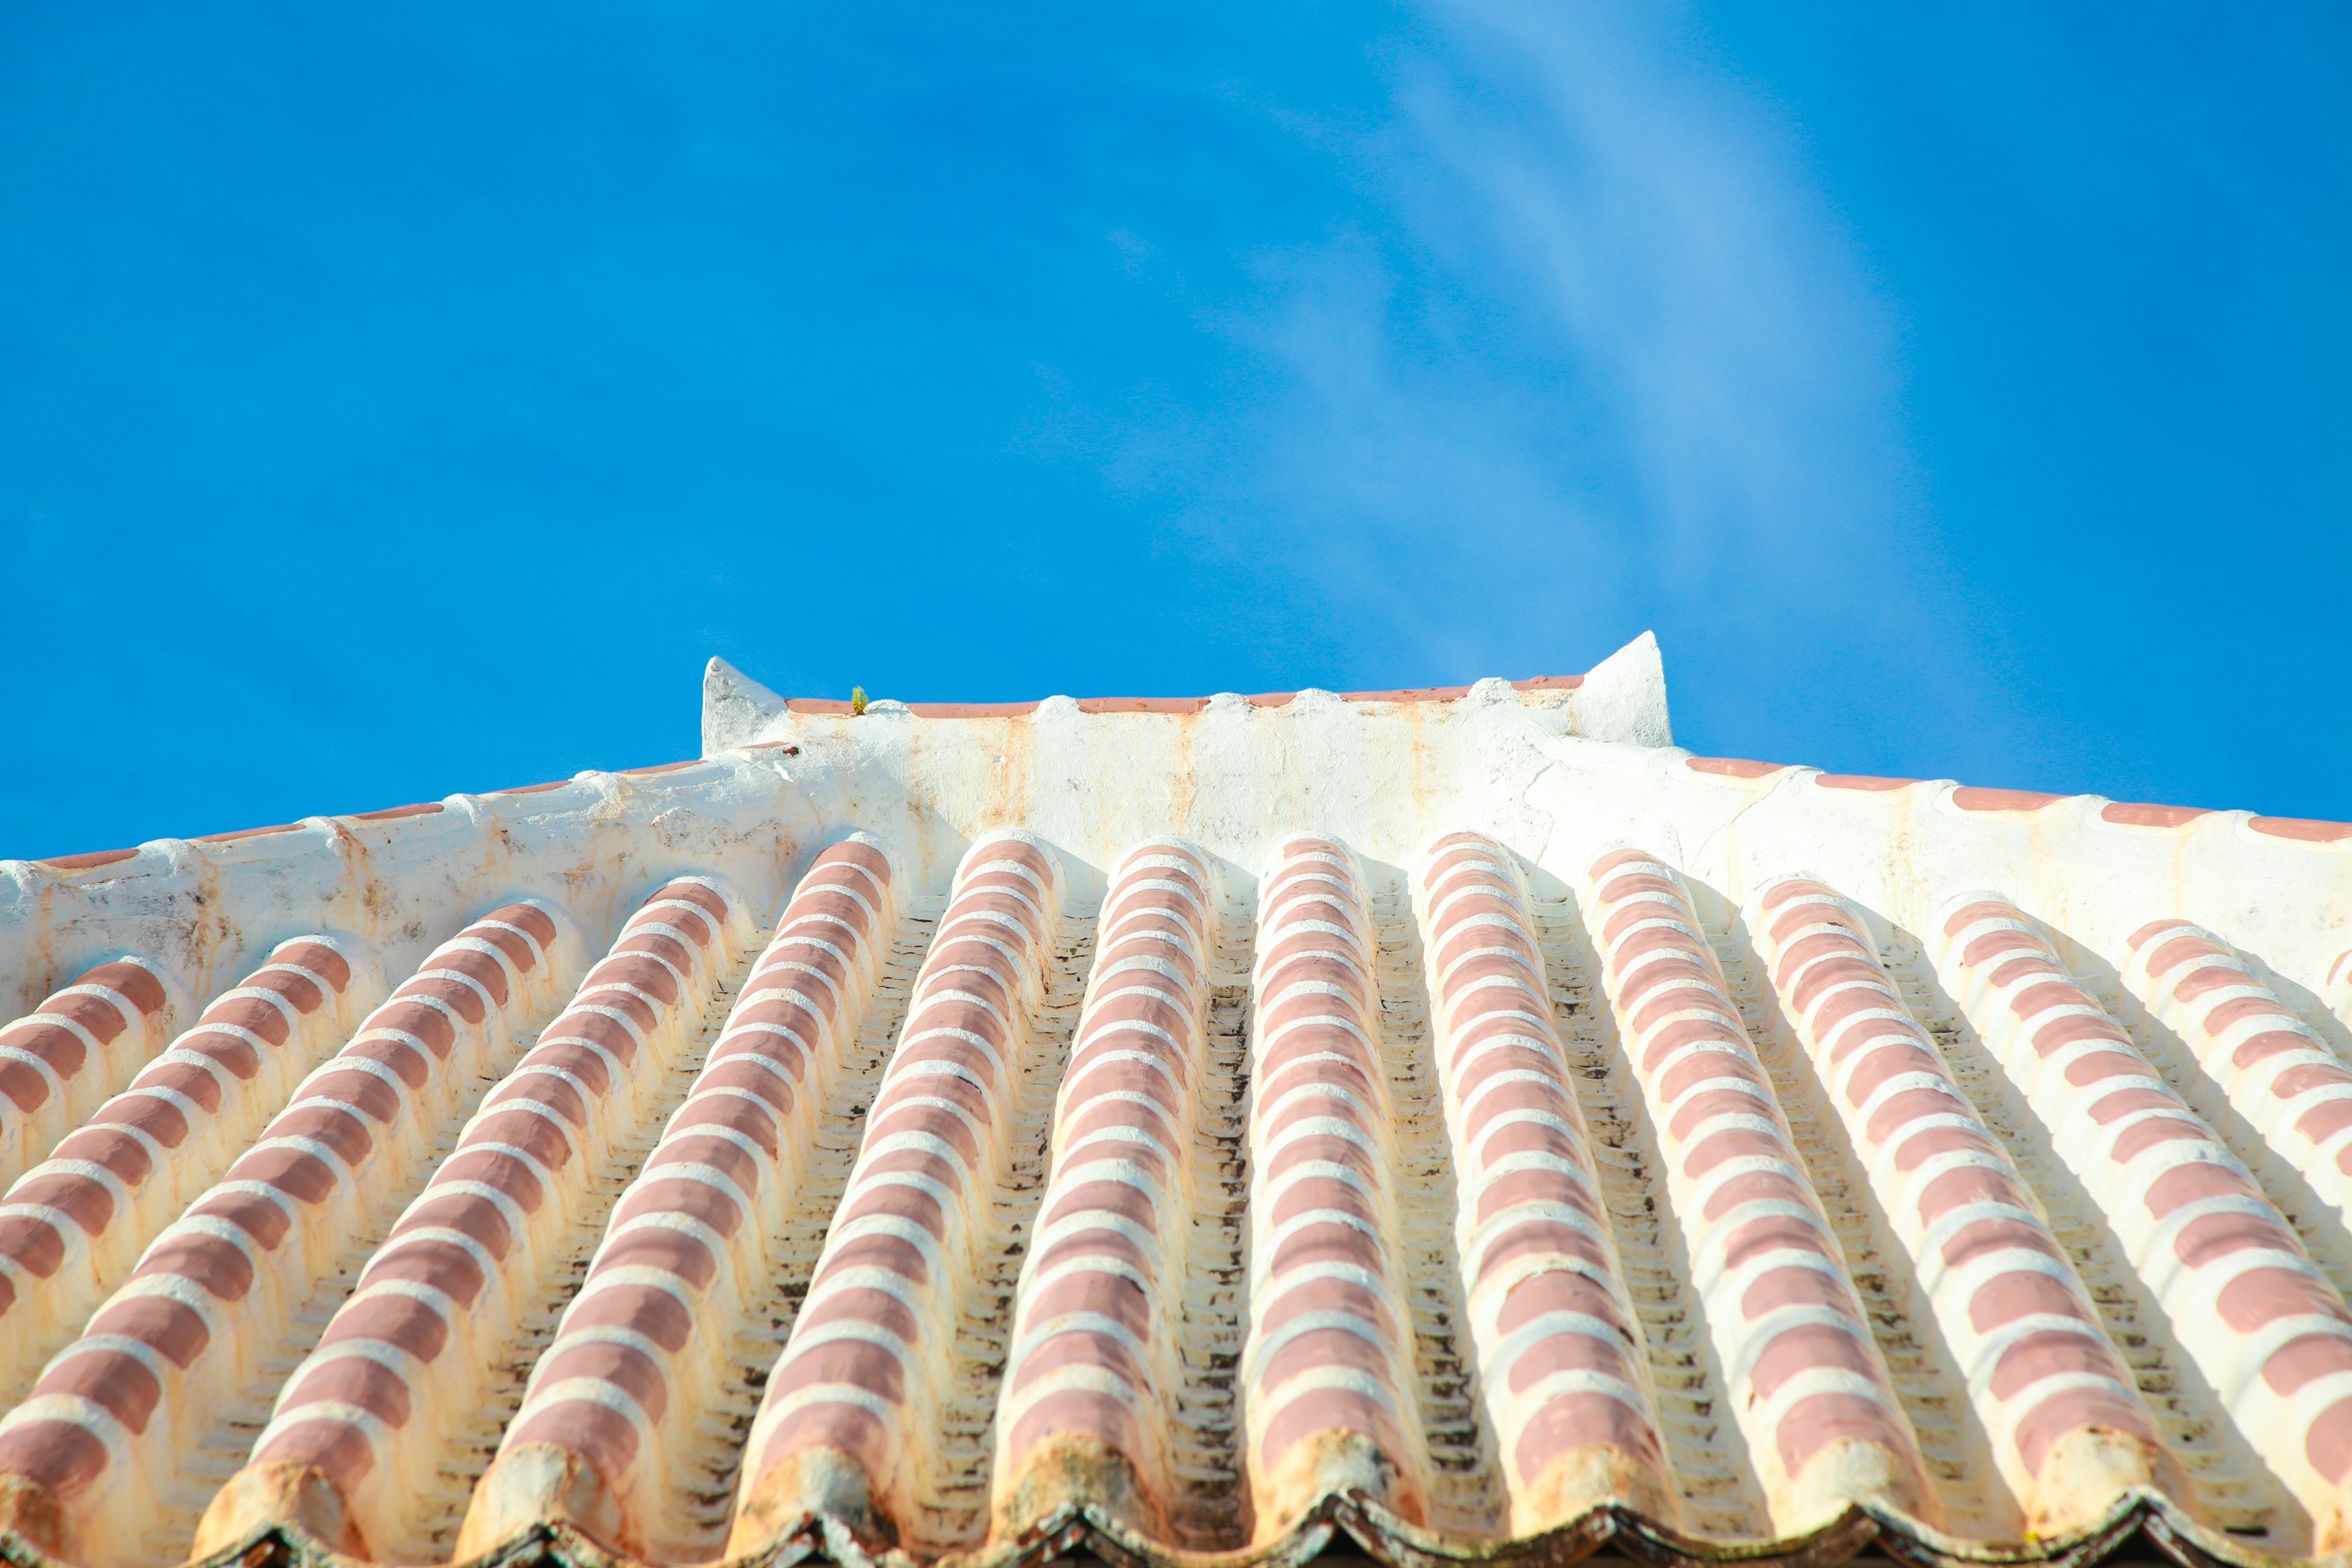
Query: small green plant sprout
pixel 856 700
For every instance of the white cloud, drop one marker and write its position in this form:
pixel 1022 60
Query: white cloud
pixel 1615 363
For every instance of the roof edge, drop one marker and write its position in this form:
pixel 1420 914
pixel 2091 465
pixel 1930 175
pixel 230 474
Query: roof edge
pixel 1622 697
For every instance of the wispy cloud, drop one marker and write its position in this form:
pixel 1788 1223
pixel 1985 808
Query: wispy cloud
pixel 1608 361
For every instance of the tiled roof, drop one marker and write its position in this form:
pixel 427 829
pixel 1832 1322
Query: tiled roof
pixel 1439 1125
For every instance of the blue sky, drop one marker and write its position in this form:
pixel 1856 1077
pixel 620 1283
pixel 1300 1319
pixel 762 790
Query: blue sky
pixel 406 400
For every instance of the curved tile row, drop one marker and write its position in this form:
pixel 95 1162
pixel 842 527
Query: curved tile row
pixel 60 1061
pixel 601 1440
pixel 2243 1301
pixel 1807 1384
pixel 73 1226
pixel 2068 1430
pixel 2275 1070
pixel 1088 1387
pixel 849 1418
pixel 366 1421
pixel 1328 1377
pixel 1558 1346
pixel 120 1416
pixel 1328 1387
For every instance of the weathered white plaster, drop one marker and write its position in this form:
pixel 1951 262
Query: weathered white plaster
pixel 1554 775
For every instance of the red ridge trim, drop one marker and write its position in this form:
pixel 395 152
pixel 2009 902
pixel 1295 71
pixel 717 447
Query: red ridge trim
pixel 2306 829
pixel 1969 798
pixel 1861 781
pixel 532 789
pixel 245 833
pixel 85 861
pixel 1734 767
pixel 2135 814
pixel 1142 704
pixel 425 809
pixel 659 768
pixel 971 710
pixel 1410 694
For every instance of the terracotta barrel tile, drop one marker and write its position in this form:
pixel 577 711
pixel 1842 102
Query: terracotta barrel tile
pixel 59 1062
pixel 1560 1359
pixel 223 1284
pixel 508 1199
pixel 2222 1262
pixel 599 1437
pixel 1328 1389
pixel 2067 1427
pixel 2276 1070
pixel 850 1409
pixel 1808 1388
pixel 1093 1354
pixel 158 1145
